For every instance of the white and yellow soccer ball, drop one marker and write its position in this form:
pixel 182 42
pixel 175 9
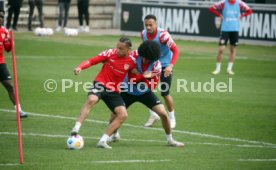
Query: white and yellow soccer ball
pixel 75 142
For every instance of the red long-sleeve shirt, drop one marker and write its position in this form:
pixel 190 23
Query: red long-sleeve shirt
pixel 114 68
pixel 5 44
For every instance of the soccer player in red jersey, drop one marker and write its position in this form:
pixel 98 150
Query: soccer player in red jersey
pixel 5 77
pixel 230 12
pixel 168 59
pixel 139 87
pixel 117 63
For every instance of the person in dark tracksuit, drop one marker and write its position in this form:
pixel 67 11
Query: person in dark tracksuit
pixel 64 6
pixel 39 5
pixel 13 8
pixel 83 12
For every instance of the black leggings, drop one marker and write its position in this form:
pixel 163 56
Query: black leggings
pixel 63 13
pixel 13 10
pixel 83 6
pixel 39 5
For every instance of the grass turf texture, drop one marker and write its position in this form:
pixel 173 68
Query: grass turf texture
pixel 248 113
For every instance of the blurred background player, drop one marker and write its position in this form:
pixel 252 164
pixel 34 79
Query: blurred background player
pixel 117 63
pixel 64 6
pixel 169 56
pixel 5 77
pixel 83 12
pixel 14 7
pixel 230 12
pixel 39 6
pixel 140 87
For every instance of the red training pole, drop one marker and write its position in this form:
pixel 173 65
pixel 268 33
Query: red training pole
pixel 17 99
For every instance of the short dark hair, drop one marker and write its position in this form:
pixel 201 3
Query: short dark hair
pixel 126 40
pixel 150 50
pixel 150 16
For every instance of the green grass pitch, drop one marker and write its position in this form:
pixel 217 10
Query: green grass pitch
pixel 221 130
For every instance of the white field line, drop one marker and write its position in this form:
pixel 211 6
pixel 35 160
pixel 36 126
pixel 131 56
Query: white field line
pixel 137 140
pixel 157 129
pixel 9 164
pixel 211 57
pixel 130 161
pixel 257 160
pixel 135 161
pixel 187 57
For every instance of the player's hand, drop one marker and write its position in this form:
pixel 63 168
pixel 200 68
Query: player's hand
pixel 77 70
pixel 150 74
pixel 221 17
pixel 168 70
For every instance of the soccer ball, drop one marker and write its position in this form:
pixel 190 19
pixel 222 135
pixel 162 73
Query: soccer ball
pixel 70 32
pixel 49 31
pixel 37 31
pixel 75 142
pixel 43 31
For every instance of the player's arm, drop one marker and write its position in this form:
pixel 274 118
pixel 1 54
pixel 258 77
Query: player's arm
pixel 217 8
pixel 88 63
pixel 165 38
pixel 175 56
pixel 134 70
pixel 7 42
pixel 151 78
pixel 93 61
pixel 245 10
pixel 153 81
pixel 139 77
pixel 135 76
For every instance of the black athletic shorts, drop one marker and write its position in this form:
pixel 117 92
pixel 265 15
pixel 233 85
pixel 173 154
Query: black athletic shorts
pixel 232 36
pixel 149 99
pixel 165 83
pixel 4 72
pixel 111 99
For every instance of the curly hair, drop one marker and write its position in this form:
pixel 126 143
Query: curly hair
pixel 150 50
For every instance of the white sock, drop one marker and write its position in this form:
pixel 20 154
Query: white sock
pixel 116 133
pixel 171 115
pixel 18 107
pixel 104 138
pixel 152 113
pixel 169 137
pixel 218 65
pixel 229 67
pixel 77 127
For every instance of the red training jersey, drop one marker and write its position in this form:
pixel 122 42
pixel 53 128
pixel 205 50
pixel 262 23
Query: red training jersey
pixel 4 43
pixel 114 68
